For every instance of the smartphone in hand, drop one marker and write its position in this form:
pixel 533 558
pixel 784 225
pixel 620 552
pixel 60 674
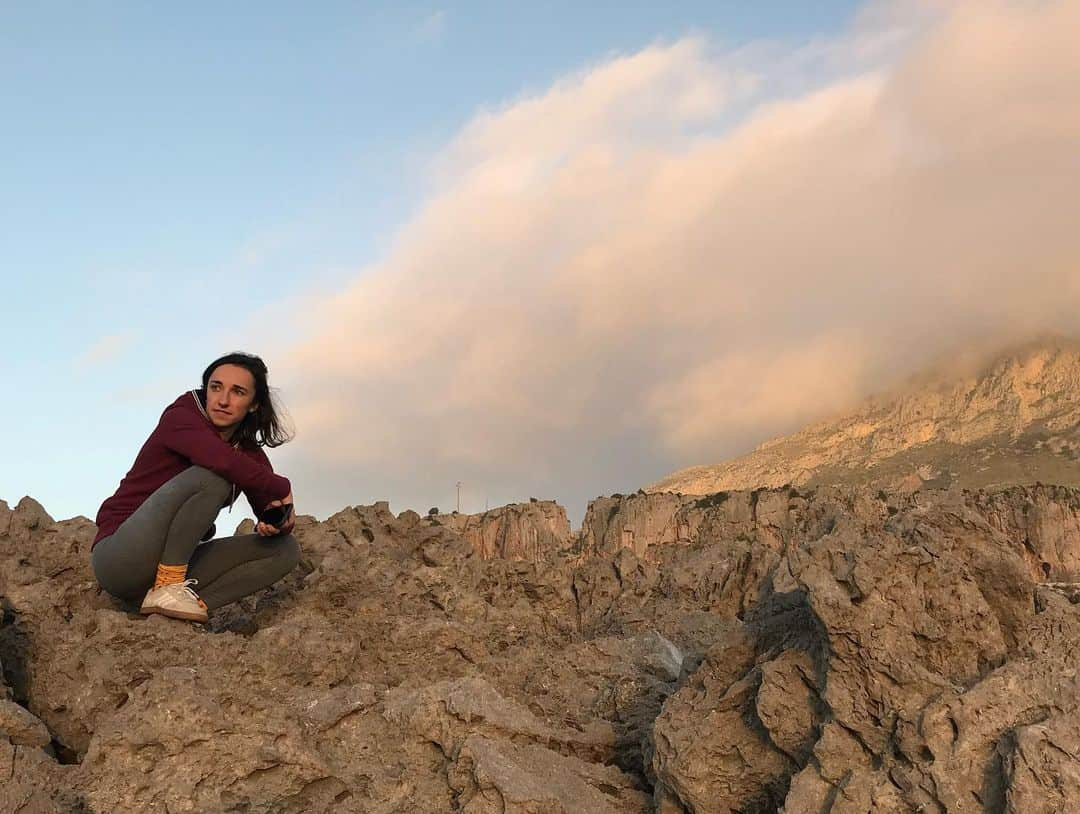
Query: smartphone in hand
pixel 276 516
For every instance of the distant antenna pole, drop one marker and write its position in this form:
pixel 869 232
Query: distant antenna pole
pixel 459 496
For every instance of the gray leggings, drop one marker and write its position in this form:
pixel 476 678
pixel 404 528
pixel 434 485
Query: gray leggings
pixel 166 529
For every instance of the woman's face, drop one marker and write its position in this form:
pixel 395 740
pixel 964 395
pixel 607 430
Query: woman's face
pixel 230 395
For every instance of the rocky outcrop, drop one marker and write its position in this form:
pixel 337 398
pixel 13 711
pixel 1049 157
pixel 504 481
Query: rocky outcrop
pixel 518 531
pixel 889 669
pixel 760 525
pixel 816 651
pixel 394 670
pixel 1012 421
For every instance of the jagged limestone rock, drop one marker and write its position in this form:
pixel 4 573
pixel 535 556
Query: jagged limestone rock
pixel 816 650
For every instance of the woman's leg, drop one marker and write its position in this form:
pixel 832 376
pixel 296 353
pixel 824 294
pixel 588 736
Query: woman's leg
pixel 231 567
pixel 164 530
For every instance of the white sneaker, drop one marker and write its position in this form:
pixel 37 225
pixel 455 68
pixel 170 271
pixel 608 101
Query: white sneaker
pixel 176 600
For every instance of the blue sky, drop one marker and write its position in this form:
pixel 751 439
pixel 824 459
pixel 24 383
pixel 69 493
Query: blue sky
pixel 170 170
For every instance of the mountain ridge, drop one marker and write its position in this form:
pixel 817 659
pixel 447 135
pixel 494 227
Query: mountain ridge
pixel 1013 419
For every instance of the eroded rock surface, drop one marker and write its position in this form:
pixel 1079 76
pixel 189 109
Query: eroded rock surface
pixel 519 531
pixel 821 651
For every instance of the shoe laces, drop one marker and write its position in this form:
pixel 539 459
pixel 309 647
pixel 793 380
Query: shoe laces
pixel 186 586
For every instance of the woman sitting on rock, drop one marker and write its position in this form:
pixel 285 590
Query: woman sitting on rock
pixel 207 444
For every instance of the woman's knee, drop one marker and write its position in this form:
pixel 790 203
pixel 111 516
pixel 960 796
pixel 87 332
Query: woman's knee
pixel 288 552
pixel 124 577
pixel 208 481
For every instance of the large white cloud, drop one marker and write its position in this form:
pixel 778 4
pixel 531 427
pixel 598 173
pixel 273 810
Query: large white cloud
pixel 655 264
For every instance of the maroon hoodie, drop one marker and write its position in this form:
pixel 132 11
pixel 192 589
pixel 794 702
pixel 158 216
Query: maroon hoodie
pixel 185 436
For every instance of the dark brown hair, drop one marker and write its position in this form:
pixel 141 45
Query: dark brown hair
pixel 269 425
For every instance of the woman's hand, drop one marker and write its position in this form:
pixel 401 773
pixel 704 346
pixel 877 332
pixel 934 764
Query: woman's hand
pixel 266 530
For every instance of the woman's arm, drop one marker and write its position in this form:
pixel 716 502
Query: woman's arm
pixel 260 503
pixel 189 435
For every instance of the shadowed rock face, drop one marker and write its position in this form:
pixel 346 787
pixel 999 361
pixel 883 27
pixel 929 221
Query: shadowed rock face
pixel 825 651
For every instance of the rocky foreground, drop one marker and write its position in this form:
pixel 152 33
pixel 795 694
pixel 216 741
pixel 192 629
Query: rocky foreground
pixel 838 650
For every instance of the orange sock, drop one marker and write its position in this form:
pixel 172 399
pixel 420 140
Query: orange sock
pixel 170 575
